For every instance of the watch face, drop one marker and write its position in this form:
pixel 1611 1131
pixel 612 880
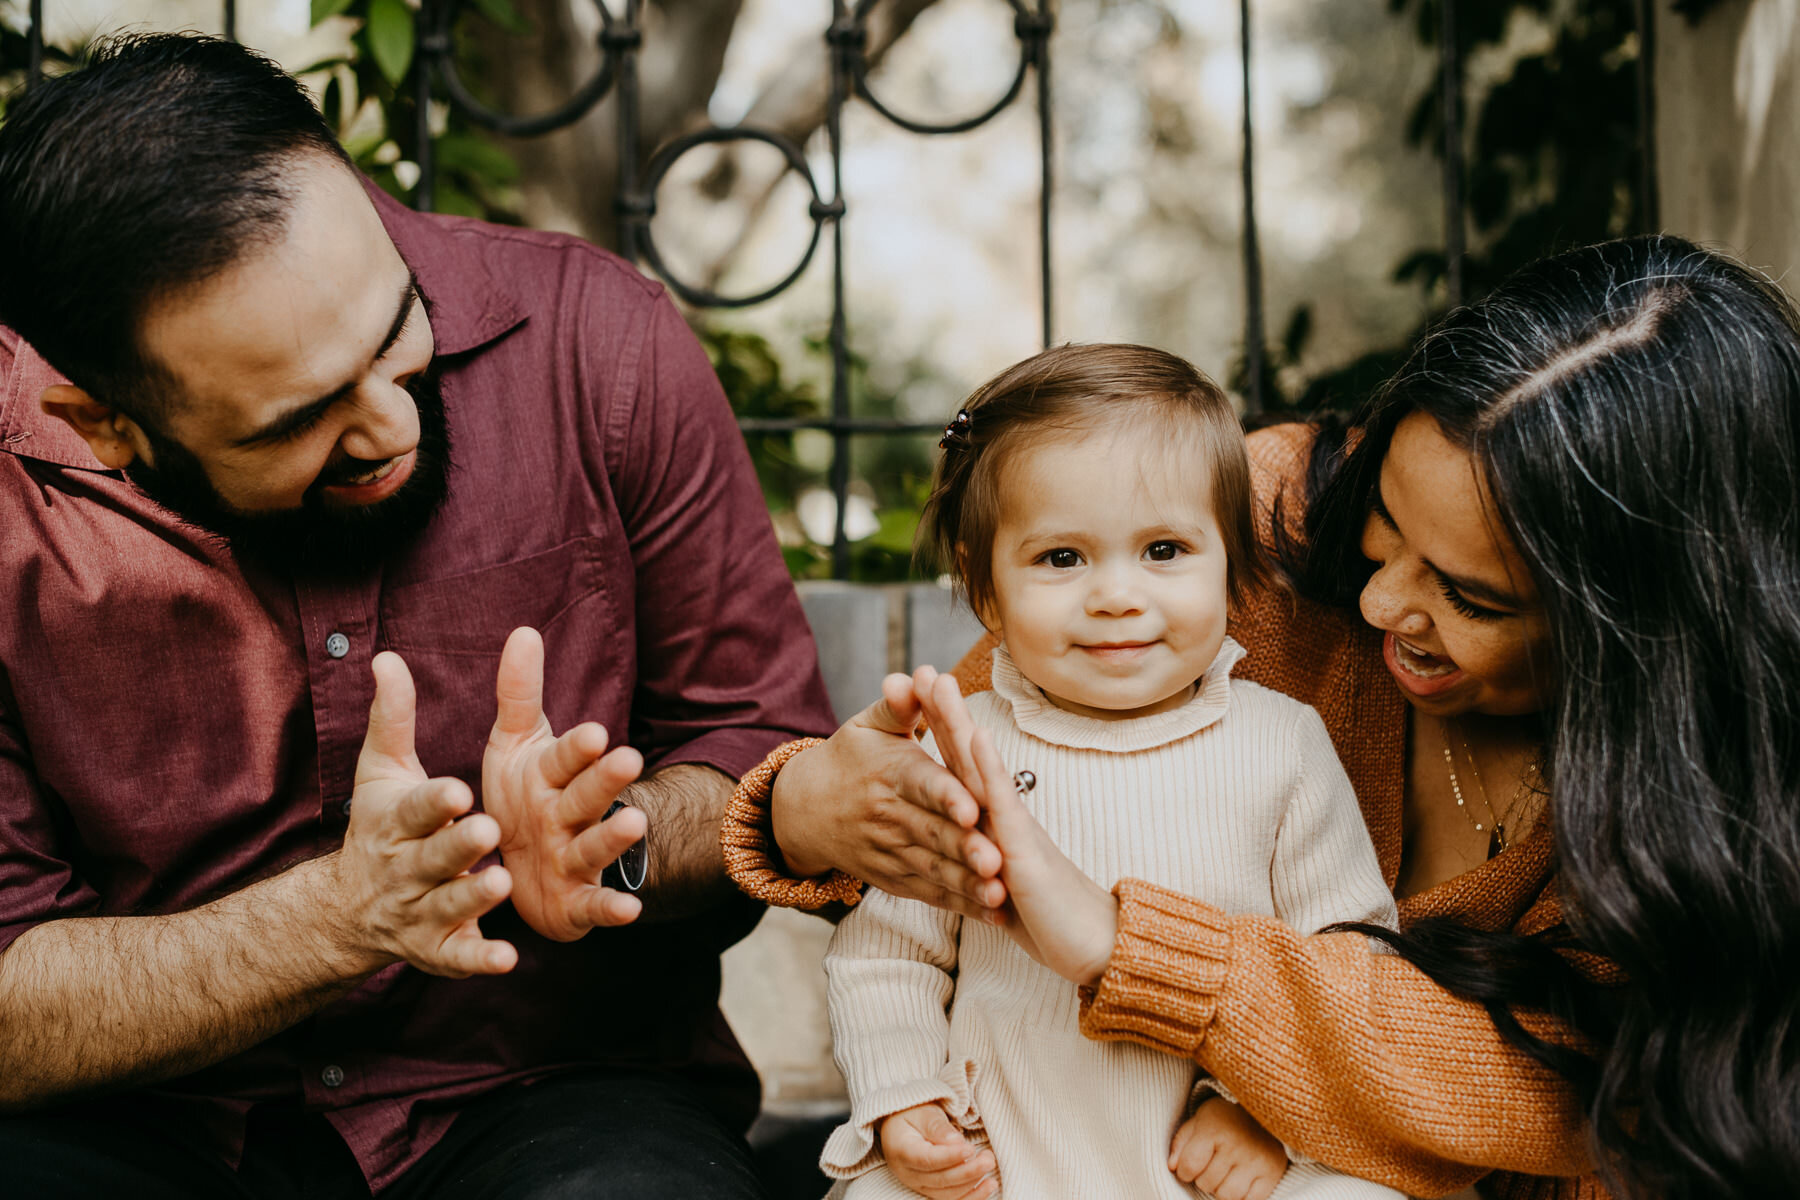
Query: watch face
pixel 634 863
pixel 628 870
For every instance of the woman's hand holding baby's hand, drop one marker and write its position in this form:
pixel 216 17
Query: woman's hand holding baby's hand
pixel 1224 1152
pixel 934 1158
pixel 1055 912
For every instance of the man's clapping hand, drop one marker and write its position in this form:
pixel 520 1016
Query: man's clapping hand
pixel 550 795
pixel 402 878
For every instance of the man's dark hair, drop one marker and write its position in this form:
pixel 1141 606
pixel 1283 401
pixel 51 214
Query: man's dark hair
pixel 153 167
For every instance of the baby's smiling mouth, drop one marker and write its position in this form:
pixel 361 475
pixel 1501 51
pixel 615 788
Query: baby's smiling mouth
pixel 1116 650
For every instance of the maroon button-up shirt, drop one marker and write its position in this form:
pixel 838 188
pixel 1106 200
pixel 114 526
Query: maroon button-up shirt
pixel 174 726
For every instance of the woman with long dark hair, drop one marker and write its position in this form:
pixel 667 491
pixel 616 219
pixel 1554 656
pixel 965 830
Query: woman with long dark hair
pixel 1633 410
pixel 1571 527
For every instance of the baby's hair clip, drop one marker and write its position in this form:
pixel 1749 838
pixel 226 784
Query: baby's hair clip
pixel 958 427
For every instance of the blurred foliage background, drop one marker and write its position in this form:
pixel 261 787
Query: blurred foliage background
pixel 1551 162
pixel 368 94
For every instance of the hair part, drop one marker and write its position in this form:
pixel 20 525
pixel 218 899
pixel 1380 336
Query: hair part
pixel 158 164
pixel 1067 391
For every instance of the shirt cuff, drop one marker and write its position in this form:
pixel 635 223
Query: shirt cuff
pixel 1162 986
pixel 753 860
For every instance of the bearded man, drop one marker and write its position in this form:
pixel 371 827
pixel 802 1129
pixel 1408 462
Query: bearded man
pixel 290 904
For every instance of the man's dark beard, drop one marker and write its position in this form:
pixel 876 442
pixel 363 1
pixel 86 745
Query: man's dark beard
pixel 315 538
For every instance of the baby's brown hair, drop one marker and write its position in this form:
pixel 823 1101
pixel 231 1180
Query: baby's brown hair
pixel 1069 389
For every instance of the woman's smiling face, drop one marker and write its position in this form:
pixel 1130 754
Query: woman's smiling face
pixel 1465 629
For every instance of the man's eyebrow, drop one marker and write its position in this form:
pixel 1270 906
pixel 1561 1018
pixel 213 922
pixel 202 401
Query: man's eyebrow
pixel 1471 589
pixel 305 414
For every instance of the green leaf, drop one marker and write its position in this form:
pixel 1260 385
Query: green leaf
pixel 453 201
pixel 324 9
pixel 324 64
pixel 896 532
pixel 360 149
pixel 503 14
pixel 803 562
pixel 477 156
pixel 390 32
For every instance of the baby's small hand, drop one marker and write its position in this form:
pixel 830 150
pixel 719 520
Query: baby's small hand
pixel 1223 1151
pixel 932 1156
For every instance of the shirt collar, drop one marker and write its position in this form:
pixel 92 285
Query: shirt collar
pixel 1036 715
pixel 25 428
pixel 470 306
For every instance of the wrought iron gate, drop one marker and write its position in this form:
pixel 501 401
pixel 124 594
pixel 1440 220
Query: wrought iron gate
pixel 845 42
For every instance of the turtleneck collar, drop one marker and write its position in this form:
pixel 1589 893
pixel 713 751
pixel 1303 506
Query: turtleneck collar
pixel 1035 714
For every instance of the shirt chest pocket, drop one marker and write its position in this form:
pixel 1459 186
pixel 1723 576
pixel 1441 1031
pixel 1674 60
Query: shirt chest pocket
pixel 450 631
pixel 470 614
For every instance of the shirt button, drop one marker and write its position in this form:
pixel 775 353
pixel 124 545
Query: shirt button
pixel 337 645
pixel 332 1076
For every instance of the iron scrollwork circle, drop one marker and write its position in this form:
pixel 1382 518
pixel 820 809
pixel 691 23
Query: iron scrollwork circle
pixel 821 211
pixel 613 42
pixel 1030 26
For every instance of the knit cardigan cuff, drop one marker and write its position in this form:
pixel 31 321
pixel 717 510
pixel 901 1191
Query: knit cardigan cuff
pixel 752 859
pixel 1168 966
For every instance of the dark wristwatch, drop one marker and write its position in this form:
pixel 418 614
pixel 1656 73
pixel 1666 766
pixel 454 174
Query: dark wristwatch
pixel 626 872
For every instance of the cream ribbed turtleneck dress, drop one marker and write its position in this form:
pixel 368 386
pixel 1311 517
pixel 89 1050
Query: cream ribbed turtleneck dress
pixel 1236 798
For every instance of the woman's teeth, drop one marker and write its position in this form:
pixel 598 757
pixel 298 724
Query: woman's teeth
pixel 1417 662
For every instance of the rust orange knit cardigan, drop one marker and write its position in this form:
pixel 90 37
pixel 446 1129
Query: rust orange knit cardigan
pixel 1354 1058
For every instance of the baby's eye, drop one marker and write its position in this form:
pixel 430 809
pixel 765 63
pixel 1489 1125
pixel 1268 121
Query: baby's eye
pixel 1062 559
pixel 1162 551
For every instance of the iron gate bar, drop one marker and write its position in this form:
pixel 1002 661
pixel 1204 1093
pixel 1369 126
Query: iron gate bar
pixel 1450 107
pixel 34 42
pixel 231 20
pixel 629 208
pixel 849 424
pixel 859 67
pixel 1649 200
pixel 1043 24
pixel 1253 280
pixel 424 155
pixel 820 210
pixel 843 40
pixel 443 61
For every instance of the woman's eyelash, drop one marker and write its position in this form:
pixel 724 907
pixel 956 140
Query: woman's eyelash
pixel 1462 605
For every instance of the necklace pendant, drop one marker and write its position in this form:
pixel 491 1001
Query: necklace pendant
pixel 1497 840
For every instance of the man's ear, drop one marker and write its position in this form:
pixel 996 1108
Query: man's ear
pixel 116 440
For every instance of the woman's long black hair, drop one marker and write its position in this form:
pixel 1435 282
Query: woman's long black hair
pixel 1635 409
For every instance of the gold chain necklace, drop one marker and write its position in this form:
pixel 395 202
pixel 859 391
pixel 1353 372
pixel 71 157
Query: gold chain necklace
pixel 1499 828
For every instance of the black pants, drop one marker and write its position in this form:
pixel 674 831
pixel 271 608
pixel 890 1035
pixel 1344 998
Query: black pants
pixel 608 1135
